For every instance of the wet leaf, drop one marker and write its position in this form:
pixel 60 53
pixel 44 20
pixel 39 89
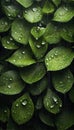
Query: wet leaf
pixel 25 3
pixel 71 94
pixel 9 43
pixel 62 80
pixel 52 102
pixel 33 14
pixel 21 57
pixel 64 14
pixel 20 31
pixel 56 2
pixel 33 73
pixel 52 34
pixel 22 109
pixel 4 24
pixel 58 58
pixel 10 83
pixel 39 47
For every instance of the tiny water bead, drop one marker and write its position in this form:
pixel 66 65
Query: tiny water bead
pixel 34 9
pixel 17 105
pixel 9 86
pixel 52 106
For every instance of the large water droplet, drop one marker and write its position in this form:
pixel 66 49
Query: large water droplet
pixel 24 102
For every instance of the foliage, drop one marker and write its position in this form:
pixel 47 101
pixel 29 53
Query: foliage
pixel 36 64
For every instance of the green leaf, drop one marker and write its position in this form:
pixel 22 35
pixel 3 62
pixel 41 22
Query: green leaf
pixel 12 125
pixel 20 31
pixel 65 120
pixel 33 73
pixel 21 57
pixel 64 14
pixel 58 58
pixel 62 80
pixel 25 3
pixel 52 34
pixel 39 47
pixel 39 87
pixel 71 94
pixel 56 2
pixel 48 7
pixel 33 14
pixel 52 102
pixel 4 24
pixel 11 10
pixel 39 102
pixel 37 31
pixel 46 118
pixel 22 109
pixel 4 113
pixel 10 83
pixel 9 43
pixel 67 32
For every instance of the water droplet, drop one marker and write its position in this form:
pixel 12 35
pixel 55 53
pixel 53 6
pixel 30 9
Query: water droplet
pixel 24 102
pixel 54 99
pixel 19 38
pixel 34 9
pixel 8 42
pixel 2 23
pixel 14 60
pixel 36 38
pixel 10 79
pixel 25 11
pixel 52 56
pixel 9 15
pixel 9 86
pixel 52 106
pixel 17 105
pixel 43 43
pixel 11 38
pixel 61 82
pixel 69 77
pixel 38 46
pixel 60 105
pixel 6 23
pixel 23 52
pixel 5 111
pixel 46 59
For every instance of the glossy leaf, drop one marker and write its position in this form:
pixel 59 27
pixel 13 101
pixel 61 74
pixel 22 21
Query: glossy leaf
pixel 33 73
pixel 71 94
pixel 56 2
pixel 52 34
pixel 4 24
pixel 10 83
pixel 52 102
pixel 9 43
pixel 39 47
pixel 48 7
pixel 22 109
pixel 4 113
pixel 64 82
pixel 37 31
pixel 65 120
pixel 11 10
pixel 67 32
pixel 58 58
pixel 64 14
pixel 38 87
pixel 25 3
pixel 21 57
pixel 20 31
pixel 46 118
pixel 33 14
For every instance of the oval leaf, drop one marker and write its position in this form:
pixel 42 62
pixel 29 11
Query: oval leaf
pixel 33 73
pixel 20 31
pixel 33 14
pixel 22 109
pixel 71 94
pixel 52 102
pixel 58 58
pixel 22 57
pixel 64 14
pixel 25 3
pixel 10 83
pixel 64 82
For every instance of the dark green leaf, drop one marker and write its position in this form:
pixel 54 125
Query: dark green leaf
pixel 39 47
pixel 33 73
pixel 52 34
pixel 52 102
pixel 20 31
pixel 56 2
pixel 22 109
pixel 62 80
pixel 71 94
pixel 58 58
pixel 10 83
pixel 22 57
